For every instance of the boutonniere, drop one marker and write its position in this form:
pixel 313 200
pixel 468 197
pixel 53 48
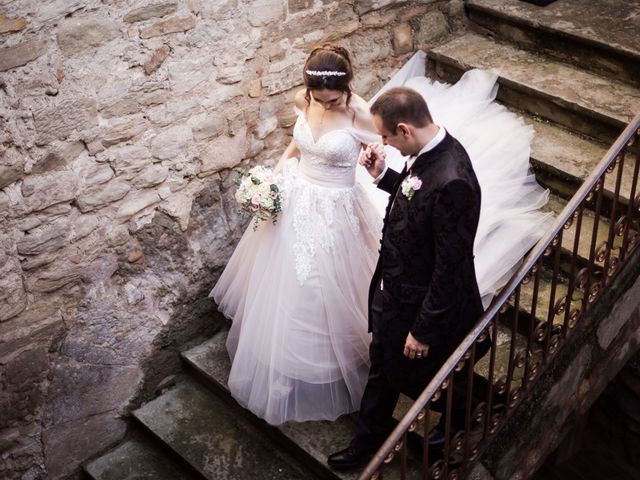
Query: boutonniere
pixel 410 185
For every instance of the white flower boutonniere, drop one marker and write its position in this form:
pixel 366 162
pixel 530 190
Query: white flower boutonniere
pixel 410 185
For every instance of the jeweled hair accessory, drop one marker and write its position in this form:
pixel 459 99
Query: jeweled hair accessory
pixel 325 73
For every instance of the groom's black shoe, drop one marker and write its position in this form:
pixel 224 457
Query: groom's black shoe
pixel 349 458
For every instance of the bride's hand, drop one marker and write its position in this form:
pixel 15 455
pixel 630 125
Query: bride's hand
pixel 373 159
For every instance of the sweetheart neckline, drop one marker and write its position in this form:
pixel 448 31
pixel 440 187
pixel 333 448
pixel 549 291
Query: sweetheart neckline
pixel 315 142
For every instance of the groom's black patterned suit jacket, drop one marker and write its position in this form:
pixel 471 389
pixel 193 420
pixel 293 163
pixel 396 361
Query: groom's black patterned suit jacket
pixel 429 285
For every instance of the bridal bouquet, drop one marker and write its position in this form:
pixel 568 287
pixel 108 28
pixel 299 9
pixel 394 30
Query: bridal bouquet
pixel 259 193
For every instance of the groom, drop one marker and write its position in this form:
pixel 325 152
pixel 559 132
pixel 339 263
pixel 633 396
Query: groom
pixel 423 298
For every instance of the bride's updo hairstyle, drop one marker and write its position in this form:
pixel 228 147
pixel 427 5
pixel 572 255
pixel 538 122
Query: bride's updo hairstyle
pixel 328 67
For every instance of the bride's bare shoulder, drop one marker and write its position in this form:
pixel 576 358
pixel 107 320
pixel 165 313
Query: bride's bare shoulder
pixel 300 99
pixel 363 117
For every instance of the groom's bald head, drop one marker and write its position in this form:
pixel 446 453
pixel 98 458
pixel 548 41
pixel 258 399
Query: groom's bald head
pixel 401 105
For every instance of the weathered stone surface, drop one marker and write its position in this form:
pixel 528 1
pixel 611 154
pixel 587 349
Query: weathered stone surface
pixel 58 9
pixel 123 131
pixel 97 174
pixel 42 191
pixel 156 60
pixel 206 126
pixel 296 6
pixel 263 12
pixel 79 33
pixel 11 166
pixel 21 54
pixel 120 107
pixel 47 238
pixel 55 277
pixel 58 157
pixel 171 25
pixel 150 11
pixel 137 203
pixel 223 152
pixel 13 298
pixel 12 24
pixel 365 6
pixel 255 88
pixel 178 206
pixel 150 176
pixel 378 19
pixel 102 195
pixel 402 39
pixel 67 444
pixel 171 143
pixel 127 159
pixel 431 26
pixel 58 121
pixel 230 75
pixel 84 225
pixel 79 390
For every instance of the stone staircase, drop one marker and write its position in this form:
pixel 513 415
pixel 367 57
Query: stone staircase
pixel 568 79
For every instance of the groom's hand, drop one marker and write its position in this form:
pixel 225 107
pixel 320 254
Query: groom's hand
pixel 372 157
pixel 414 349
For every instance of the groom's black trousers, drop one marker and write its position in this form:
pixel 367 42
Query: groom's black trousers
pixel 375 419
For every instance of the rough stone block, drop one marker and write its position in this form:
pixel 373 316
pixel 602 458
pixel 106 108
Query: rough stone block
pixel 137 203
pixel 58 121
pixel 42 191
pixel 12 24
pixel 150 11
pixel 150 176
pixel 11 167
pixel 55 277
pixel 102 196
pixel 128 159
pixel 123 131
pixel 296 6
pixel 207 126
pixel 21 54
pixel 364 6
pixel 264 12
pixel 48 238
pixel 156 60
pixel 402 39
pixel 13 298
pixel 171 143
pixel 431 26
pixel 223 152
pixel 80 33
pixel 58 157
pixel 57 9
pixel 171 25
pixel 96 174
pixel 68 444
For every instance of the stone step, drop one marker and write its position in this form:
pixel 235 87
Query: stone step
pixel 583 102
pixel 311 442
pixel 136 460
pixel 209 435
pixel 598 36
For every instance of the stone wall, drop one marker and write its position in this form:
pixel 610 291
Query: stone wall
pixel 119 122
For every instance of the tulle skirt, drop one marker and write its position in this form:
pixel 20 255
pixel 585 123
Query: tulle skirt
pixel 297 293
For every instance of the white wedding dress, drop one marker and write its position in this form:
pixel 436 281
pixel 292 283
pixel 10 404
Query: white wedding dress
pixel 297 291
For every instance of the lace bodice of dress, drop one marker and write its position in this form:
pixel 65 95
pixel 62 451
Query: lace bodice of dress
pixel 331 159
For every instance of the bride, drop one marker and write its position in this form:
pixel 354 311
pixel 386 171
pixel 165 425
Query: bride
pixel 297 291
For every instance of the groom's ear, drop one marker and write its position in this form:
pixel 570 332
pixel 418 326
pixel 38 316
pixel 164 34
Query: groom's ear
pixel 403 129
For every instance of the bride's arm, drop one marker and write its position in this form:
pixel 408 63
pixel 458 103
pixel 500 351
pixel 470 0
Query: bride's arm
pixel 290 151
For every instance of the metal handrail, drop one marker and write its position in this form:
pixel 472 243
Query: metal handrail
pixel 591 185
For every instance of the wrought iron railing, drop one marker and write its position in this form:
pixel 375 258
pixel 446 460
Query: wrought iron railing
pixel 560 279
